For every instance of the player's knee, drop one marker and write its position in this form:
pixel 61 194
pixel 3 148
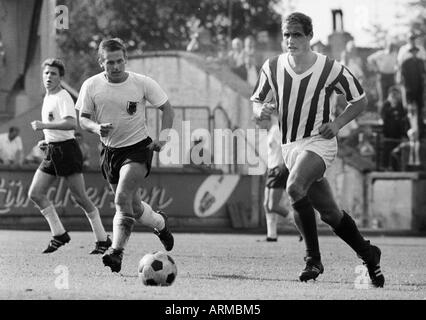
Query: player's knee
pixel 330 216
pixel 137 209
pixel 266 206
pixel 79 199
pixel 277 208
pixel 295 191
pixel 35 195
pixel 122 200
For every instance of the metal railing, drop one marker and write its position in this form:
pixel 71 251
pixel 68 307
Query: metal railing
pixel 204 118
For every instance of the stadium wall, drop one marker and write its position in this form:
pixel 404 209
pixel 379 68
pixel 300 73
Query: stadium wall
pixel 194 201
pixel 212 201
pixel 190 80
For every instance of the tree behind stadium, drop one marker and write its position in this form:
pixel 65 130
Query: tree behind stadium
pixel 153 25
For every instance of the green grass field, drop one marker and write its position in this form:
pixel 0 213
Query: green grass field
pixel 210 267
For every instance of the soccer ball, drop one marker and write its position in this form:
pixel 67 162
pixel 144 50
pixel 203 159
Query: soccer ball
pixel 157 269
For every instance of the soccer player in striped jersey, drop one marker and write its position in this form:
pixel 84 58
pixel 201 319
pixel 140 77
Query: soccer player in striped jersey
pixel 301 83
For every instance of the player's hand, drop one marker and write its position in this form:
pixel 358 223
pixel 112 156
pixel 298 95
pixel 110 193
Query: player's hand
pixel 329 130
pixel 156 145
pixel 266 111
pixel 37 125
pixel 42 144
pixel 104 129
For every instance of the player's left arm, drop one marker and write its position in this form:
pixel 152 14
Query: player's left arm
pixel 355 95
pixel 166 125
pixel 158 98
pixel 168 116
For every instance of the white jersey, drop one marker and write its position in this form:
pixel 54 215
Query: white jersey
pixel 122 104
pixel 56 107
pixel 275 156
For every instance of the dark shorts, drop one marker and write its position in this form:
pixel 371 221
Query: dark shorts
pixel 276 178
pixel 62 159
pixel 112 159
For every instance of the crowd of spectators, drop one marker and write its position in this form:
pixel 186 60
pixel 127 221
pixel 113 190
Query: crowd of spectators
pixel 399 85
pixel 241 57
pixel 400 80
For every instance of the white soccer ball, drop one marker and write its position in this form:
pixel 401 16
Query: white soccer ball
pixel 157 269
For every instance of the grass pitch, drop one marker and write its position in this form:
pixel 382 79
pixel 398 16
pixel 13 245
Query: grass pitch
pixel 210 267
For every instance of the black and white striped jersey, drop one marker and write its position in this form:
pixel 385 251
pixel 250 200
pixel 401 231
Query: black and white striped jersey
pixel 303 100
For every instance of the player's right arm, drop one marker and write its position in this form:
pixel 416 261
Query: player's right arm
pixel 101 129
pixel 86 107
pixel 263 95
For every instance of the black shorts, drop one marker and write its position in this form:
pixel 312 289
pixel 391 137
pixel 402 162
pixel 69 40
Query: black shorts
pixel 62 158
pixel 112 159
pixel 276 178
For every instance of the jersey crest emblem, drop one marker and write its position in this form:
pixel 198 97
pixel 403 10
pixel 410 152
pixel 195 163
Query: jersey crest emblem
pixel 131 107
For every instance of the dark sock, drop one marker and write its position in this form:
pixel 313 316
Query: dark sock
pixel 304 216
pixel 348 232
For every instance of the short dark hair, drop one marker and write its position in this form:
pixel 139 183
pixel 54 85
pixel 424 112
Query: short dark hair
pixel 54 62
pixel 394 89
pixel 114 44
pixel 13 129
pixel 300 18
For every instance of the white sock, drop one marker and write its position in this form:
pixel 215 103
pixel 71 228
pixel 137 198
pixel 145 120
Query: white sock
pixel 52 218
pixel 271 225
pixel 97 226
pixel 151 218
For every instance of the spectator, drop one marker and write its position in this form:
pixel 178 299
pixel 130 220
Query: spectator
pixel 365 148
pixel 395 125
pixel 236 58
pixel 384 64
pixel 201 42
pixel 11 149
pixel 408 155
pixel 85 149
pixel 351 59
pixel 412 42
pixel 193 45
pixel 222 50
pixel 412 72
pixel 250 57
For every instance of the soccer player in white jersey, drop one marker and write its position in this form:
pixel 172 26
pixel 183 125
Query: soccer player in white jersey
pixel 300 82
pixel 276 178
pixel 63 158
pixel 112 105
